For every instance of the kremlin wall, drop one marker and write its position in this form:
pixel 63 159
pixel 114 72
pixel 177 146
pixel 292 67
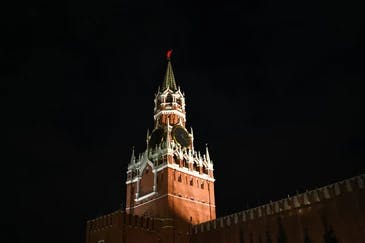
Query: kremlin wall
pixel 333 213
pixel 170 196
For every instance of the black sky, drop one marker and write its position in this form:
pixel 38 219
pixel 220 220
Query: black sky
pixel 274 87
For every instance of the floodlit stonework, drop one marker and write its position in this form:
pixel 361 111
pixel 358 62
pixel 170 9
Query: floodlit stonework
pixel 170 196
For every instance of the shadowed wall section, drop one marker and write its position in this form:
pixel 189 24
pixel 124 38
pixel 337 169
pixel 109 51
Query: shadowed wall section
pixel 333 213
pixel 330 214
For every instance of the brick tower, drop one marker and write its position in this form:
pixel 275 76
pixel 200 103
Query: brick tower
pixel 170 179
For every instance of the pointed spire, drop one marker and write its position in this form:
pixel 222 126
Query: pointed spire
pixel 169 80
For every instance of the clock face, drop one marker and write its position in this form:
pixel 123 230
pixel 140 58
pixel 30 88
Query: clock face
pixel 181 136
pixel 156 137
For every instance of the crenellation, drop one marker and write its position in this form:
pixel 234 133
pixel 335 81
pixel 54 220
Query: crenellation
pixel 208 225
pixel 287 204
pixel 277 208
pixel 235 218
pixel 348 185
pixel 315 195
pixel 268 209
pixel 228 220
pixel 337 189
pixel 251 214
pixel 296 201
pixel 360 181
pixel 259 213
pixel 326 193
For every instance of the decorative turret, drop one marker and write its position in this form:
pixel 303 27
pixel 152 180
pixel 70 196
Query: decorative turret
pixel 169 101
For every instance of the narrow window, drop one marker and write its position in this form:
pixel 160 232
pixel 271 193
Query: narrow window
pixel 169 98
pixel 205 170
pixel 185 164
pixel 176 161
pixel 195 167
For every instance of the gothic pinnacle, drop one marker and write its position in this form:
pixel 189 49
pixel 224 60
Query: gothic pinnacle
pixel 133 159
pixel 207 153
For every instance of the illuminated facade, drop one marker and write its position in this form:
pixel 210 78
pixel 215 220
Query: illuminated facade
pixel 170 196
pixel 170 179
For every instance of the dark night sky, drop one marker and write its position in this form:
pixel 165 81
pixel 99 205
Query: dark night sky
pixel 274 87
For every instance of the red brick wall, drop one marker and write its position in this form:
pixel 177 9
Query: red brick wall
pixel 310 216
pixel 156 205
pixel 146 183
pixel 174 199
pixel 191 202
pixel 294 220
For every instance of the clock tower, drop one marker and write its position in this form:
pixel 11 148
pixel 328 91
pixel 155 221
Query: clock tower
pixel 170 179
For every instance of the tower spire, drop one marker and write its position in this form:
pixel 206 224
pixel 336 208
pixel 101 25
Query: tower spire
pixel 169 79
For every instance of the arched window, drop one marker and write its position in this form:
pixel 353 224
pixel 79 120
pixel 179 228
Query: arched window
pixel 185 164
pixel 195 167
pixel 169 98
pixel 176 160
pixel 205 169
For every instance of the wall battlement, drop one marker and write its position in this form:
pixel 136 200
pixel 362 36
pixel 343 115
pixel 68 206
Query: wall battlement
pixel 120 218
pixel 305 199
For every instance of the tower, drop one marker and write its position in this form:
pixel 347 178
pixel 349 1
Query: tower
pixel 170 179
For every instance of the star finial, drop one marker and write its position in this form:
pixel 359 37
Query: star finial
pixel 168 54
